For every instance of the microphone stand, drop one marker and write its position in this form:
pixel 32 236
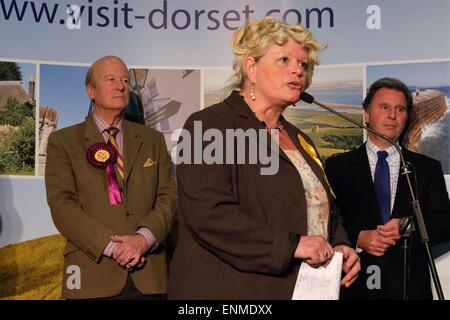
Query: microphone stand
pixel 406 227
pixel 405 171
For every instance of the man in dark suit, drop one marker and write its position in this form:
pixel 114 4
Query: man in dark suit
pixel 374 212
pixel 112 195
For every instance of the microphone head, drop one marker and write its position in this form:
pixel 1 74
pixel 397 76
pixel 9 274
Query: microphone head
pixel 306 97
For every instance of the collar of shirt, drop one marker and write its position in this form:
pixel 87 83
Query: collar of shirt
pixel 372 150
pixel 102 125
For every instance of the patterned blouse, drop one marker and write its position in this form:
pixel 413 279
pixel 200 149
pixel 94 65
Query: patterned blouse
pixel 317 206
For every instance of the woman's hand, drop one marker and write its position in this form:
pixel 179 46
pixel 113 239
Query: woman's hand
pixel 350 264
pixel 314 250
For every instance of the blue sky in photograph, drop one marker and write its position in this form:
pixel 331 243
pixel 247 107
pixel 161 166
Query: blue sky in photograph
pixel 62 88
pixel 425 74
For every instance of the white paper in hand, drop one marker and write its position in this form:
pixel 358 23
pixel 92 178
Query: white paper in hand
pixel 322 283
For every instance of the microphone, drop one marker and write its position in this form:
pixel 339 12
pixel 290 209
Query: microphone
pixel 306 97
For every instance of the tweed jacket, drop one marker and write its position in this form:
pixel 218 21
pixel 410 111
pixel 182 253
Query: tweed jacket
pixel 77 195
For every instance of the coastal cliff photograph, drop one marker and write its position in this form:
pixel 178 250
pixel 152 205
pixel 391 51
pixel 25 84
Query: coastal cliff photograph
pixel 341 88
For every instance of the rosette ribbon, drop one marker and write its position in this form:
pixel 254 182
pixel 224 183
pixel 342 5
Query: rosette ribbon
pixel 103 156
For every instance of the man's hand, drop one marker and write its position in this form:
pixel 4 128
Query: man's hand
pixel 390 229
pixel 130 250
pixel 376 242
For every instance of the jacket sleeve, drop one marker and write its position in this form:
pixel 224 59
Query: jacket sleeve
pixel 160 218
pixel 341 236
pixel 78 227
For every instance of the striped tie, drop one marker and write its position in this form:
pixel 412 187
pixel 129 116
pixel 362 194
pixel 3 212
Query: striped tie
pixel 112 132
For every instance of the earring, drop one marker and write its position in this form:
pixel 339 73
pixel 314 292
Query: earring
pixel 252 93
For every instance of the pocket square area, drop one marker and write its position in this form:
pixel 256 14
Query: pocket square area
pixel 149 162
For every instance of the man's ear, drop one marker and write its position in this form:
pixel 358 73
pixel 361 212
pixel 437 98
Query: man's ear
pixel 90 91
pixel 250 67
pixel 366 117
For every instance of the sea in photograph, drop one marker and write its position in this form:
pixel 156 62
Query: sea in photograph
pixel 351 95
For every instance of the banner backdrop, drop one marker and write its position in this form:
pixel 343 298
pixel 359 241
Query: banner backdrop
pixel 179 57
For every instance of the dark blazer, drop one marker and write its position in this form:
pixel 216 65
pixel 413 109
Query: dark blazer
pixel 78 199
pixel 350 177
pixel 238 228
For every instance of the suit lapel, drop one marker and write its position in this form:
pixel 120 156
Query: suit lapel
pixel 250 121
pixel 402 197
pixel 293 133
pixel 132 142
pixel 92 135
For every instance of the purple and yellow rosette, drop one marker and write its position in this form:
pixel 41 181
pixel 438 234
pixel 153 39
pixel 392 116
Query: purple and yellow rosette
pixel 104 156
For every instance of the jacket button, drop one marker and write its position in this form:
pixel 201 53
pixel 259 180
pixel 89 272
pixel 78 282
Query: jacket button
pixel 128 214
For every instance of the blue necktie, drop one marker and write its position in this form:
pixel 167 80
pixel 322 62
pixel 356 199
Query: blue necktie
pixel 383 186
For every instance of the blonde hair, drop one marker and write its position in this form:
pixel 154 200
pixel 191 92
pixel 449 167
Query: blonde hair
pixel 255 38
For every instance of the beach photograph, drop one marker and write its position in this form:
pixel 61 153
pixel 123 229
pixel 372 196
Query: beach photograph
pixel 341 88
pixel 338 87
